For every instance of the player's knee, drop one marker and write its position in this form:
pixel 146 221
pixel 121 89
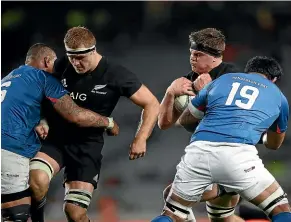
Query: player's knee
pixel 39 184
pixel 40 174
pixel 18 213
pixel 76 203
pixel 74 212
pixel 276 201
pixel 218 212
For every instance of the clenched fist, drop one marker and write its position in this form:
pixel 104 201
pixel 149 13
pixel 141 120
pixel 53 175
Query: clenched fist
pixel 181 86
pixel 137 148
pixel 201 81
pixel 42 129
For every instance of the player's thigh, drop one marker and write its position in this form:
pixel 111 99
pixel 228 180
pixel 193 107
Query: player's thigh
pixel 14 172
pixel 15 194
pixel 193 176
pixel 258 186
pixel 272 200
pixel 211 192
pixel 52 153
pixel 81 175
pixel 54 165
pixel 83 162
pixel 43 167
pixel 237 168
pixel 226 200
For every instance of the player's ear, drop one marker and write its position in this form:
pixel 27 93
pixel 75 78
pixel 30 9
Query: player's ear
pixel 46 61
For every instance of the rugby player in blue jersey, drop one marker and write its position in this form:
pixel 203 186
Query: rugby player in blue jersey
pixel 22 92
pixel 234 111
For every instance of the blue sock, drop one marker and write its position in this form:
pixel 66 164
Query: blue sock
pixel 282 217
pixel 162 218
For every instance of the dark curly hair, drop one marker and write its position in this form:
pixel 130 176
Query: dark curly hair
pixel 264 65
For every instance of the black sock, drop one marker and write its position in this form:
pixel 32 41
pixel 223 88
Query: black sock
pixel 37 210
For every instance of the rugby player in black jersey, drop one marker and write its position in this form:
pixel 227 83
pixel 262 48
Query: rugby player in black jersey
pixel 206 60
pixel 95 83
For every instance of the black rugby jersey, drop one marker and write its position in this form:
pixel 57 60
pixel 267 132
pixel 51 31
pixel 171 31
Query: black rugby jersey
pixel 218 71
pixel 98 91
pixel 215 73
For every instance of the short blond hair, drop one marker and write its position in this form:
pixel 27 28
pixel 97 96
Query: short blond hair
pixel 210 37
pixel 77 37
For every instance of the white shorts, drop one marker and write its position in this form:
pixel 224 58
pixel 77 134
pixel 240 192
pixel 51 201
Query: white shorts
pixel 237 167
pixel 14 172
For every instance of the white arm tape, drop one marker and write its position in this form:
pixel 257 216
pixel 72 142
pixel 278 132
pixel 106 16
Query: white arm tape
pixel 111 123
pixel 195 112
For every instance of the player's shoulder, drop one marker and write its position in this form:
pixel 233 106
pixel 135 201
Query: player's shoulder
pixel 230 76
pixel 283 98
pixel 224 68
pixel 61 64
pixel 230 67
pixel 116 72
pixel 30 72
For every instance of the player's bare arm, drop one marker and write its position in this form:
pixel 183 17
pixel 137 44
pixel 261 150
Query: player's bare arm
pixel 146 100
pixel 273 140
pixel 67 108
pixel 187 119
pixel 168 113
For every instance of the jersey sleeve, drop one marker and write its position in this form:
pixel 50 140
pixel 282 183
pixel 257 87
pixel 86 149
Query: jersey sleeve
pixel 281 123
pixel 197 105
pixel 53 89
pixel 127 82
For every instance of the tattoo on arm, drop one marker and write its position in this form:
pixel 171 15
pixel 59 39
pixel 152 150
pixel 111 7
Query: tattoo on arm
pixel 69 110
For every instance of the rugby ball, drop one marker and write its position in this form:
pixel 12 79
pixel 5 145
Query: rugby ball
pixel 181 102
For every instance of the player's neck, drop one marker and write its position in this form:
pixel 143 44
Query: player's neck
pixel 97 59
pixel 259 74
pixel 34 64
pixel 216 63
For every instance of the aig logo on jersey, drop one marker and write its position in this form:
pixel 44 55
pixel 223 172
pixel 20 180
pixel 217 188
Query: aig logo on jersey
pixel 97 88
pixel 79 96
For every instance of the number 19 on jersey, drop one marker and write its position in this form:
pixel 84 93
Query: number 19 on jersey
pixel 247 92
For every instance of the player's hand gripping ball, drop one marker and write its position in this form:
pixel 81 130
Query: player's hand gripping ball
pixel 202 81
pixel 181 86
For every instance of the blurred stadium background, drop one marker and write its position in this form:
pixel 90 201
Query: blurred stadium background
pixel 151 39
